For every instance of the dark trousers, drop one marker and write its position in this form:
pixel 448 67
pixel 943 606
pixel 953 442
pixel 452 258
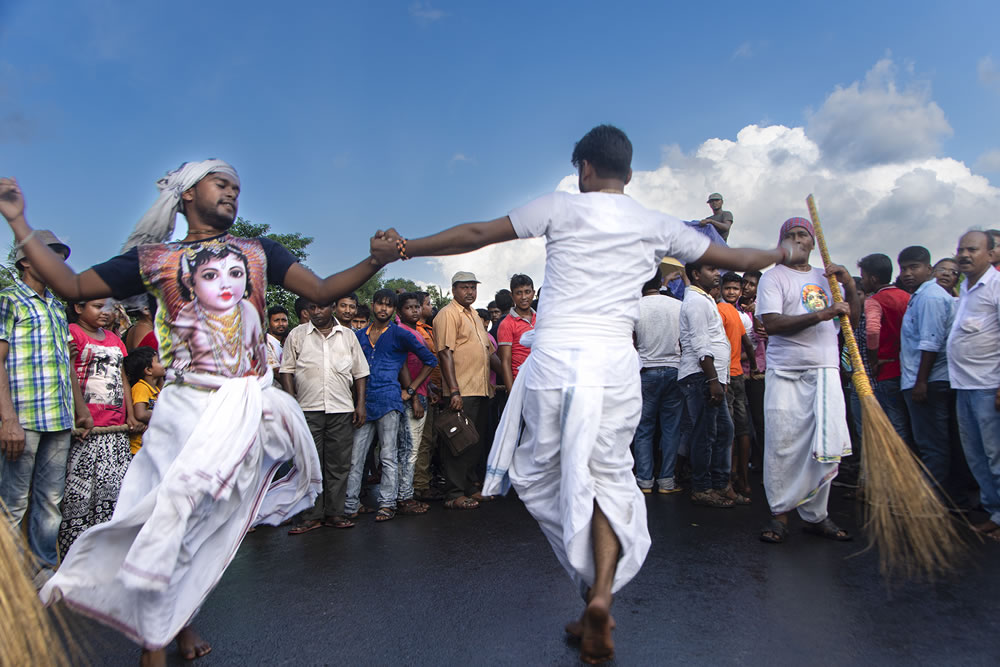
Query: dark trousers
pixel 755 400
pixel 931 422
pixel 461 471
pixel 334 438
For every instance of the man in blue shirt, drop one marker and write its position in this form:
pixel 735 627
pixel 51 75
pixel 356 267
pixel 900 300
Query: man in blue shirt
pixel 385 345
pixel 924 365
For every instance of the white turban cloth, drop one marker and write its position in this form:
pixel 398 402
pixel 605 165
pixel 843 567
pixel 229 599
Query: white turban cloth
pixel 157 225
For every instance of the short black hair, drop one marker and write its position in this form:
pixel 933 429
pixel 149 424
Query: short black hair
pixel 384 295
pixel 422 296
pixel 505 300
pixel 301 304
pixel 407 296
pixel 731 277
pixel 520 280
pixel 608 151
pixel 752 273
pixel 137 362
pixel 690 268
pixel 995 233
pixel 363 311
pixel 352 296
pixel 914 253
pixel 483 314
pixel 492 304
pixel 878 265
pixel 275 310
pixel 653 283
pixel 946 259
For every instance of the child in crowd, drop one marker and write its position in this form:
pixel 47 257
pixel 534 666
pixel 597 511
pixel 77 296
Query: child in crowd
pixel 98 462
pixel 145 373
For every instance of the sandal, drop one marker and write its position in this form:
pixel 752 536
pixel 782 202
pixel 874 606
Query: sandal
pixel 480 498
pixel 385 514
pixel 828 529
pixel 361 510
pixel 774 532
pixel 339 522
pixel 709 499
pixel 411 507
pixel 306 527
pixel 461 503
pixel 737 498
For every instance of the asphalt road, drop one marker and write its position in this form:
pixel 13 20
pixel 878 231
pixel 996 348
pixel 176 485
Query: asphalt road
pixel 482 588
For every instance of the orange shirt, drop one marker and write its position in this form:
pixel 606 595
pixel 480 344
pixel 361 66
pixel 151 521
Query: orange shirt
pixel 733 325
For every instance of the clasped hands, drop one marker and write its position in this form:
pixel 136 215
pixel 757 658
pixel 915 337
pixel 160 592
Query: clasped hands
pixel 383 246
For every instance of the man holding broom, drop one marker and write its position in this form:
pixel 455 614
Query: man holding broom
pixel 805 425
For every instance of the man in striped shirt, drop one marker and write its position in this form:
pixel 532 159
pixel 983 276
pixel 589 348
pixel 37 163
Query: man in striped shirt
pixel 36 405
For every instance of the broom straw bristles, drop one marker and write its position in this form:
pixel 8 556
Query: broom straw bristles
pixel 904 518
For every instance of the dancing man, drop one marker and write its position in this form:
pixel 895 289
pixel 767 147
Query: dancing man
pixel 203 476
pixel 564 437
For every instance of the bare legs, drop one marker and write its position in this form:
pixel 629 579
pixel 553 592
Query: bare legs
pixel 189 644
pixel 595 626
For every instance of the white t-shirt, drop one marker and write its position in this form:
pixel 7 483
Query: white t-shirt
pixel 785 291
pixel 657 334
pixel 600 248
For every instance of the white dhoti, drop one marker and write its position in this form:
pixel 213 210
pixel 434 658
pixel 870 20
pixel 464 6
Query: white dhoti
pixel 564 442
pixel 200 481
pixel 805 436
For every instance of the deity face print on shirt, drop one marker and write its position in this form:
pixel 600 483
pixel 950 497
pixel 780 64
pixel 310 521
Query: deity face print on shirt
pixel 814 298
pixel 212 296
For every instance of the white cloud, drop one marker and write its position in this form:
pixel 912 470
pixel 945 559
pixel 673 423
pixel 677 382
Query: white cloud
pixel 745 50
pixel 989 161
pixel 766 173
pixel 423 13
pixel 460 157
pixel 876 122
pixel 989 73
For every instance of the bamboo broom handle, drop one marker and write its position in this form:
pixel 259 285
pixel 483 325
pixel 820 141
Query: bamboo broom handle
pixel 859 377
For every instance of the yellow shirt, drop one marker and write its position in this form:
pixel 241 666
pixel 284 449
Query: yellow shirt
pixel 142 392
pixel 461 331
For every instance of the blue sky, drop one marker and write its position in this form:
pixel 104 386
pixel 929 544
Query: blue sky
pixel 345 117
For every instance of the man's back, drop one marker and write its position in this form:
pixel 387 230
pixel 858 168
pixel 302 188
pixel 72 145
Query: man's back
pixel 657 333
pixel 602 244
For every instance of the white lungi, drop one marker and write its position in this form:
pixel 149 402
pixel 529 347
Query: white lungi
pixel 200 481
pixel 805 435
pixel 564 442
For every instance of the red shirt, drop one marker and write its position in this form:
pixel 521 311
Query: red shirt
pixel 511 329
pixel 893 302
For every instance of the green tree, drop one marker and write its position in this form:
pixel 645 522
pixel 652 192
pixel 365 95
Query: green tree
pixel 296 244
pixel 437 298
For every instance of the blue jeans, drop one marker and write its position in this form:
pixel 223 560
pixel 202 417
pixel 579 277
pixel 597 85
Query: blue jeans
pixel 711 439
pixel 979 425
pixel 890 397
pixel 930 433
pixel 661 397
pixel 388 430
pixel 41 467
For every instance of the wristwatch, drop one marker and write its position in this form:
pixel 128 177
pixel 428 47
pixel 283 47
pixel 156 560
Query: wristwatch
pixel 410 391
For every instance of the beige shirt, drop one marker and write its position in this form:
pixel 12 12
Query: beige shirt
pixel 460 330
pixel 325 367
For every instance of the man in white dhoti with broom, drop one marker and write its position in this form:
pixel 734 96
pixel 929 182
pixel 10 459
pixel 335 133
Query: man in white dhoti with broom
pixel 203 477
pixel 805 423
pixel 565 433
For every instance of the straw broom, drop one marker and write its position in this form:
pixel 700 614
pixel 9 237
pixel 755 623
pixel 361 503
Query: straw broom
pixel 904 518
pixel 27 635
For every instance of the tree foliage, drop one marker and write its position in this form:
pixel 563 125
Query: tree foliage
pixel 295 242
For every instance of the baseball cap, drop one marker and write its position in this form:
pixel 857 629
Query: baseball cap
pixel 714 195
pixel 464 277
pixel 49 239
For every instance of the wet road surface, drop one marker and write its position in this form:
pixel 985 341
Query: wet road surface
pixel 482 588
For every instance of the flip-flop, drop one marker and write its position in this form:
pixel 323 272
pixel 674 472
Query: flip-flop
pixel 339 522
pixel 460 504
pixel 828 529
pixel 306 527
pixel 778 532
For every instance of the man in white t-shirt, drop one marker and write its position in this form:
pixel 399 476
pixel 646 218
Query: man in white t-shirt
pixel 805 423
pixel 657 338
pixel 565 433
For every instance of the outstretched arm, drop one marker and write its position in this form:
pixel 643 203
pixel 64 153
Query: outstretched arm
pixel 50 265
pixel 747 259
pixel 460 238
pixel 305 283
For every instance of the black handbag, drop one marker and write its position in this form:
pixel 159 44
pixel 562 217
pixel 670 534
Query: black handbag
pixel 457 430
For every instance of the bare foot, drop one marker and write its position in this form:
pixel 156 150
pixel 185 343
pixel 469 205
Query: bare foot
pixel 191 645
pixel 575 627
pixel 596 644
pixel 153 659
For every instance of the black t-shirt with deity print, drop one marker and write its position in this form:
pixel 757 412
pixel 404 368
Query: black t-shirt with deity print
pixel 210 299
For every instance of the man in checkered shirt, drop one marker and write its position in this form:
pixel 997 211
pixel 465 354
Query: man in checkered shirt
pixel 36 406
